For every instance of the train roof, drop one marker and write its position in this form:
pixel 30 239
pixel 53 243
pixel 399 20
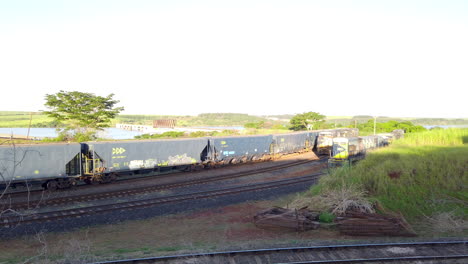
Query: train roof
pixel 145 140
pixel 40 144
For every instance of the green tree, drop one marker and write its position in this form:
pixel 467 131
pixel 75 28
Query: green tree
pixel 306 121
pixel 82 113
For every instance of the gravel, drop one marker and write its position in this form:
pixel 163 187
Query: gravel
pixel 148 212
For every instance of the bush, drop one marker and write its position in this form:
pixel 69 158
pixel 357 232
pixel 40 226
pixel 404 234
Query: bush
pixel 226 133
pixel 257 125
pixel 82 137
pixel 68 135
pixel 169 134
pixel 326 217
pixel 200 134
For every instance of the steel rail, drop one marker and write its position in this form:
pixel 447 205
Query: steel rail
pixel 364 260
pixel 295 250
pixel 12 221
pixel 35 204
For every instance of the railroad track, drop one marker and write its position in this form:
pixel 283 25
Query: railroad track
pixel 414 252
pixel 38 203
pixel 10 221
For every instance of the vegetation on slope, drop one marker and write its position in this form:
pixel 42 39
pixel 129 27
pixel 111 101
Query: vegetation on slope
pixel 423 175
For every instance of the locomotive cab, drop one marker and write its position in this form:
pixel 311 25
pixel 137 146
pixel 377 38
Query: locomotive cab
pixel 344 150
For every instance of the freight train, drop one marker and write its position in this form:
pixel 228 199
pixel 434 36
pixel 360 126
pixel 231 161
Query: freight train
pixel 59 166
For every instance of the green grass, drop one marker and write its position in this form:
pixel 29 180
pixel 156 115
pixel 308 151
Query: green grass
pixel 429 169
pixel 440 137
pixel 21 119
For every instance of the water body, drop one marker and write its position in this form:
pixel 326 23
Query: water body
pixel 34 132
pixel 109 133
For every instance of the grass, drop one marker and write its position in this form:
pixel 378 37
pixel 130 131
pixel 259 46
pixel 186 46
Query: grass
pixel 440 137
pixel 22 119
pixel 423 175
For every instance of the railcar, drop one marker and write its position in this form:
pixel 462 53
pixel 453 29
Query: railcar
pixel 50 165
pixel 233 150
pixel 293 142
pixel 346 132
pixel 104 161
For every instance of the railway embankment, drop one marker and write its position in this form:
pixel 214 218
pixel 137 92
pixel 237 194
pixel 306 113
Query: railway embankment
pixel 422 177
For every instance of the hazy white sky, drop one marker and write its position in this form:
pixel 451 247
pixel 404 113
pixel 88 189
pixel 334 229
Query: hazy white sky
pixel 395 58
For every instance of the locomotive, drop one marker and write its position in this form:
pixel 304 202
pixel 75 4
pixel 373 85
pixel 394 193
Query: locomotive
pixel 62 165
pixel 351 149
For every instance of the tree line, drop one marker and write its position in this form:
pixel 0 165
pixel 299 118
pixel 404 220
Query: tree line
pixel 81 115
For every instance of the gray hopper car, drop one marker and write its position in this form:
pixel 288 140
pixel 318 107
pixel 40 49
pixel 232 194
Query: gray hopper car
pixel 294 142
pixel 32 164
pixel 232 150
pixel 113 157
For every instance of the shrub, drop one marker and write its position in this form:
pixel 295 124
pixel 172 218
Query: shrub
pixel 326 217
pixel 169 134
pixel 200 134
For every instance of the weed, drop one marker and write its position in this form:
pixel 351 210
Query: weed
pixel 326 217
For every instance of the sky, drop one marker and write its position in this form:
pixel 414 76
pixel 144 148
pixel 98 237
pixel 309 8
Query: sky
pixel 399 58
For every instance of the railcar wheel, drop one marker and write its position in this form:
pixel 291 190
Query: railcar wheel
pixel 190 168
pixel 73 182
pixel 113 176
pixel 107 178
pixel 255 158
pixel 63 183
pixel 210 165
pixel 52 185
pixel 91 181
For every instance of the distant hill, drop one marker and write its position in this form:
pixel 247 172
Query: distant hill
pixel 206 119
